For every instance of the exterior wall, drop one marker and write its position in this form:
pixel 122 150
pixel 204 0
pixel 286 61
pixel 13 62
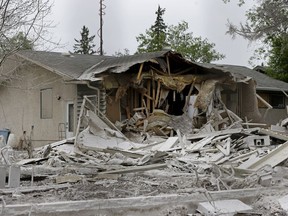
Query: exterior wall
pixel 275 115
pixel 20 103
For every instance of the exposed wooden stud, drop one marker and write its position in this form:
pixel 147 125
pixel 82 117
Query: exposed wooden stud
pixel 148 95
pixel 140 72
pixel 157 93
pixel 142 98
pixel 168 65
pixel 128 104
pixel 153 92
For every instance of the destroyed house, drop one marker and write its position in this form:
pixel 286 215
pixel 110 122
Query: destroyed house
pixel 44 91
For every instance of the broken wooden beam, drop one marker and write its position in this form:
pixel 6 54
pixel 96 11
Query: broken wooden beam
pixel 136 169
pixel 32 189
pixel 273 134
pixel 273 158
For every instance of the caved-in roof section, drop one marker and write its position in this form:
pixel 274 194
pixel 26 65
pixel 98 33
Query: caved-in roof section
pixel 164 61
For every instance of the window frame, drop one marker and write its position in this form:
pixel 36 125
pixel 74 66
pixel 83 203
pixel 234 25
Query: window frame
pixel 46 114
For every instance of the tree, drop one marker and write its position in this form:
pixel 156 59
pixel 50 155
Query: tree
pixel 193 48
pixel 124 53
pixel 154 38
pixel 177 37
pixel 25 19
pixel 267 22
pixel 85 44
pixel 22 42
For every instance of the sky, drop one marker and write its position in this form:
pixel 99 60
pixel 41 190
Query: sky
pixel 126 19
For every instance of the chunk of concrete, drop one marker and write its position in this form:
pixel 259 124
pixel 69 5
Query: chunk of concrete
pixel 14 176
pixel 222 207
pixel 257 141
pixel 265 180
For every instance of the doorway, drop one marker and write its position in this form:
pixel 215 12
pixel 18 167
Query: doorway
pixel 69 119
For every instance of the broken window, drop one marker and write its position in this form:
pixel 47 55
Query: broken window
pixel 46 108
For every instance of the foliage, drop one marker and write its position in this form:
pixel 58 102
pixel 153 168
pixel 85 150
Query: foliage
pixel 21 41
pixel 266 18
pixel 154 38
pixel 267 22
pixel 176 37
pixel 119 53
pixel 85 44
pixel 278 59
pixel 193 48
pixel 25 19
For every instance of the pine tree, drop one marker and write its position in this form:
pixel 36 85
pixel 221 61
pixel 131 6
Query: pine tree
pixel 85 44
pixel 159 28
pixel 154 39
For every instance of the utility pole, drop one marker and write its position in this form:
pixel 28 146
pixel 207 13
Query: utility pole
pixel 102 7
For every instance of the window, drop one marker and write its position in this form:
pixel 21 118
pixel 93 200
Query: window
pixel 277 101
pixel 46 106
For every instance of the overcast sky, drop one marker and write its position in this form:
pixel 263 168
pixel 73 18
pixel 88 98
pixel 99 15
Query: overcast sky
pixel 126 19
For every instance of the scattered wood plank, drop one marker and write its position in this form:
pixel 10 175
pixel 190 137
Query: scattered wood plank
pixel 32 189
pixel 216 133
pixel 69 178
pixel 30 161
pixel 273 134
pixel 273 158
pixel 136 169
pixel 168 144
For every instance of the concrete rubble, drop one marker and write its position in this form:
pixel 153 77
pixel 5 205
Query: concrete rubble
pixel 217 158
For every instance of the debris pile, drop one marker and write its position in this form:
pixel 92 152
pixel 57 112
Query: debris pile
pixel 164 154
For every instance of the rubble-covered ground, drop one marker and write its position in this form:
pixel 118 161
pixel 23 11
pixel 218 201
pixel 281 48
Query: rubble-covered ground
pixel 156 157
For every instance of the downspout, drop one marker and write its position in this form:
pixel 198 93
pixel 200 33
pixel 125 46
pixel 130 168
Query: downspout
pixel 98 94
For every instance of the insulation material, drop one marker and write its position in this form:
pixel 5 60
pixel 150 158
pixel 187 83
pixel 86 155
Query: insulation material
pixel 205 94
pixel 176 83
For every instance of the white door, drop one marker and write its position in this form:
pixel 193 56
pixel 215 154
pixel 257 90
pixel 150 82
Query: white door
pixel 69 119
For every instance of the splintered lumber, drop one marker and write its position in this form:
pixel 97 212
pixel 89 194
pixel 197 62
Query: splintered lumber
pixel 112 151
pixel 168 144
pixel 29 189
pixel 136 169
pixel 200 144
pixel 30 161
pixel 216 133
pixel 275 157
pixel 273 134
